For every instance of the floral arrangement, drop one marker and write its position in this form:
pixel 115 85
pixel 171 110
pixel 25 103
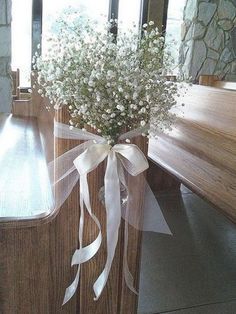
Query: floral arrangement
pixel 112 83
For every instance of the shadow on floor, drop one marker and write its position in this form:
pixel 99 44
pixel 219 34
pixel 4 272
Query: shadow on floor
pixel 193 271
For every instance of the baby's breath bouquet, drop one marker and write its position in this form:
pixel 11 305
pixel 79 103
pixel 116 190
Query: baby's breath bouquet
pixel 111 82
pixel 114 83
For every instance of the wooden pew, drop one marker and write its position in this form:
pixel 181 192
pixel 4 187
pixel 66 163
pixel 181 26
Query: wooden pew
pixel 36 251
pixel 22 105
pixel 215 81
pixel 200 151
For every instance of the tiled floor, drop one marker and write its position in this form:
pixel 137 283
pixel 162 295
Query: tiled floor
pixel 193 271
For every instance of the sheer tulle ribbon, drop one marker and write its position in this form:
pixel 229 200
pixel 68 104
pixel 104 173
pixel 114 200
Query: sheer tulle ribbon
pixel 75 165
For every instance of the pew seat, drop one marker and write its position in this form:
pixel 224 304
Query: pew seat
pixel 200 150
pixel 25 189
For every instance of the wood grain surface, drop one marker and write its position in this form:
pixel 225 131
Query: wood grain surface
pixel 23 108
pixel 25 189
pixel 35 254
pixel 215 81
pixel 200 151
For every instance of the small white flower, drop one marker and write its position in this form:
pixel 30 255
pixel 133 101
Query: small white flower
pixel 127 140
pixel 104 116
pixel 143 123
pixel 135 95
pixel 133 106
pixel 110 73
pixel 120 107
pixel 91 83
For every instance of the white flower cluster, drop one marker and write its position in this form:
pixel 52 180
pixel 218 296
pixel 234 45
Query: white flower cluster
pixel 110 83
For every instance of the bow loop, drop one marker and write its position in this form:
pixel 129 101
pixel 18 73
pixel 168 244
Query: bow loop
pixel 132 158
pixel 91 158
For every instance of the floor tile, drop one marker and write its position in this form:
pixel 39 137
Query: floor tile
pixel 197 265
pixel 218 308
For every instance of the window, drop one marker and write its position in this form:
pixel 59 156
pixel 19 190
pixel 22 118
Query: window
pixel 94 9
pixel 129 13
pixel 173 27
pixel 21 39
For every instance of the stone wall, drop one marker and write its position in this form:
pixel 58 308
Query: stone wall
pixel 209 38
pixel 5 56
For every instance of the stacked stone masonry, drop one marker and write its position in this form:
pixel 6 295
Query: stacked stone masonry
pixel 209 38
pixel 5 56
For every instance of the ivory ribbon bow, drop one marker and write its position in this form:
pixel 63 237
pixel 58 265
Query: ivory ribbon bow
pixel 88 156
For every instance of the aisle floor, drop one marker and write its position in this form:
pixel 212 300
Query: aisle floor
pixel 193 271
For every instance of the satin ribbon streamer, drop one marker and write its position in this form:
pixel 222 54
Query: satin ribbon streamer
pixel 87 158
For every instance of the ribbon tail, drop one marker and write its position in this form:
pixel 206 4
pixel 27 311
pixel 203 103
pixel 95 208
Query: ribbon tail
pixel 113 211
pixel 129 280
pixel 70 291
pixel 86 253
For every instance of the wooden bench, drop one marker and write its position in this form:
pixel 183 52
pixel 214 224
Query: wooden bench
pixel 215 81
pixel 36 251
pixel 200 151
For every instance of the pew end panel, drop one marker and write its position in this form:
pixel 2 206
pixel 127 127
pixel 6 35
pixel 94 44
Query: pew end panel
pixel 161 180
